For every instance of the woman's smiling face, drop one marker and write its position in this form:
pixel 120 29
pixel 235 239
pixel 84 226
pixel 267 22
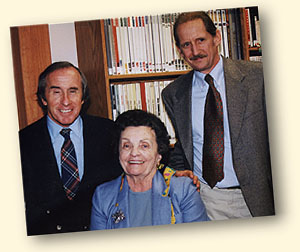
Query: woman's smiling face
pixel 138 151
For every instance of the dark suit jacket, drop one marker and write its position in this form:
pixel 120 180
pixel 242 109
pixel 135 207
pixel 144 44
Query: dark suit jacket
pixel 248 130
pixel 47 208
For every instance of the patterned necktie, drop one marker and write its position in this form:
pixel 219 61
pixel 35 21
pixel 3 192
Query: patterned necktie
pixel 213 146
pixel 69 169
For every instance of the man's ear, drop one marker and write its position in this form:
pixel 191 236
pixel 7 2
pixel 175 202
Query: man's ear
pixel 217 38
pixel 180 52
pixel 44 102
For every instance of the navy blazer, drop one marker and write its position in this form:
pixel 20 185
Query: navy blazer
pixel 47 208
pixel 248 130
pixel 111 198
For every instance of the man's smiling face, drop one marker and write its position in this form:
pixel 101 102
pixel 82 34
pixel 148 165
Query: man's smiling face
pixel 63 95
pixel 198 47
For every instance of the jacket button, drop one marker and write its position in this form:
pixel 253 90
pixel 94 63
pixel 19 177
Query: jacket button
pixel 48 211
pixel 58 227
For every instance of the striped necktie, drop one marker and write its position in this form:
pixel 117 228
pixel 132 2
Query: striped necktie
pixel 213 146
pixel 69 169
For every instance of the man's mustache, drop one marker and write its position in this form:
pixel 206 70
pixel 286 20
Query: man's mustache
pixel 199 56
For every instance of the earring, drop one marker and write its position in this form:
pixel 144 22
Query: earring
pixel 160 166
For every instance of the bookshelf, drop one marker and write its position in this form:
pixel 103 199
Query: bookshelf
pixel 119 69
pixel 251 33
pixel 93 54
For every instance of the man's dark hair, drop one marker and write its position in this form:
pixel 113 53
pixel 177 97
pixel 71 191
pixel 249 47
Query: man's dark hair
pixel 42 82
pixel 190 16
pixel 137 118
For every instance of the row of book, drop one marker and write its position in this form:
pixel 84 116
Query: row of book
pixel 141 44
pixel 255 58
pixel 141 95
pixel 252 27
pixel 220 19
pixel 243 21
pixel 145 44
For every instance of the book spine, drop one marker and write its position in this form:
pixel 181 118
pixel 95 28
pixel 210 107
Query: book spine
pixel 115 41
pixel 143 44
pixel 151 46
pixel 257 30
pixel 143 96
pixel 131 45
pixel 124 46
pixel 121 98
pixel 224 22
pixel 248 27
pixel 113 101
pixel 112 47
pixel 120 69
pixel 138 96
pixel 117 100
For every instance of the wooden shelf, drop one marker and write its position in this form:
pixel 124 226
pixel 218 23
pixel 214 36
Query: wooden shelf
pixel 145 76
pixel 254 48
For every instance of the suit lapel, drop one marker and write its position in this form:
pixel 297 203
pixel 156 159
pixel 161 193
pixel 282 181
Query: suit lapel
pixel 161 206
pixel 121 206
pixel 53 182
pixel 183 118
pixel 86 150
pixel 236 95
pixel 89 143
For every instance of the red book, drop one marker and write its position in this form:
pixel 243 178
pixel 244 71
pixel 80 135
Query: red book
pixel 143 96
pixel 247 19
pixel 114 30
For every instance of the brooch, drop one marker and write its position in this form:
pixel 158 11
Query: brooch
pixel 118 216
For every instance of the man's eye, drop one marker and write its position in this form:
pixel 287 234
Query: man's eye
pixel 73 91
pixel 200 40
pixel 185 45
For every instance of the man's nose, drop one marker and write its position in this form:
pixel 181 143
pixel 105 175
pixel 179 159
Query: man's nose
pixel 195 49
pixel 65 99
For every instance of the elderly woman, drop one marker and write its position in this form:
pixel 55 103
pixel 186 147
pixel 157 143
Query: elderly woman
pixel 143 195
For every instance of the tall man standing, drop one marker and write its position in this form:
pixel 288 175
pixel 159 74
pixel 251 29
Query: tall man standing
pixel 64 155
pixel 219 115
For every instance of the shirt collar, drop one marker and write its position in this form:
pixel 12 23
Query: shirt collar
pixel 217 73
pixel 55 128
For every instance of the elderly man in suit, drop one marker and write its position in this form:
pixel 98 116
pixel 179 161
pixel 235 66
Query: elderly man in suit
pixel 219 115
pixel 61 170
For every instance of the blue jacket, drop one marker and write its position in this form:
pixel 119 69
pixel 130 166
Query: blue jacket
pixel 111 200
